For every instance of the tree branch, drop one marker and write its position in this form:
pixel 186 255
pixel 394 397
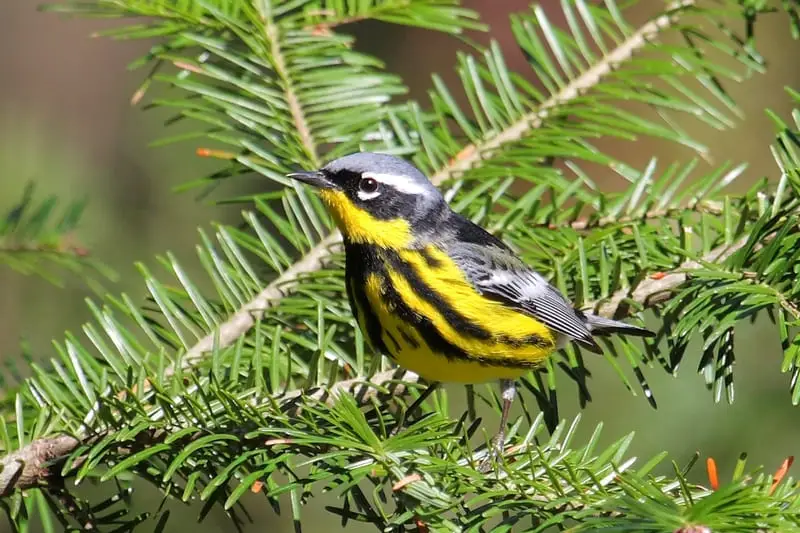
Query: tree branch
pixel 44 249
pixel 706 206
pixel 647 293
pixel 244 319
pixel 272 32
pixel 325 26
pixel 472 154
pixel 241 321
pixel 655 290
pixel 27 467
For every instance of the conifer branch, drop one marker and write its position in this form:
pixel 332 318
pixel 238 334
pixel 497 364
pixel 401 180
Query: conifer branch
pixel 59 249
pixel 114 405
pixel 708 207
pixel 282 70
pixel 35 455
pixel 472 154
pixel 240 322
pixel 27 467
pixel 331 24
pixel 657 289
pixel 38 234
pixel 244 319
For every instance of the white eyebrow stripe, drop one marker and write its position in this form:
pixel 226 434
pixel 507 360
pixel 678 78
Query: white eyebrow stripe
pixel 400 183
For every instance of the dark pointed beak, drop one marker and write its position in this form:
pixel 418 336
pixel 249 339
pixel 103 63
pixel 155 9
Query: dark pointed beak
pixel 314 178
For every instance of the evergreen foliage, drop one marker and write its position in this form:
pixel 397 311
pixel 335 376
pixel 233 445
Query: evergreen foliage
pixel 263 383
pixel 35 238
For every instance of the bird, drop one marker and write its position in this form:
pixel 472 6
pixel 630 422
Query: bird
pixel 437 293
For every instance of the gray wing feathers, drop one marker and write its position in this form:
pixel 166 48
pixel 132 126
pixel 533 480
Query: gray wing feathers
pixel 497 272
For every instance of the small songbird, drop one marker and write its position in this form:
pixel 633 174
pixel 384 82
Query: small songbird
pixel 437 293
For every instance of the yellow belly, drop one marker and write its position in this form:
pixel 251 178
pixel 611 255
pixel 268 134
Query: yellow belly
pixel 436 367
pixel 486 359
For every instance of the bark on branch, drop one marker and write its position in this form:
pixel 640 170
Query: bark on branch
pixel 27 467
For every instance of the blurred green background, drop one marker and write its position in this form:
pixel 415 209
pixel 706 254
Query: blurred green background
pixel 66 123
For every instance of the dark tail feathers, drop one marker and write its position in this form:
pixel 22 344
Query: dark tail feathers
pixel 599 325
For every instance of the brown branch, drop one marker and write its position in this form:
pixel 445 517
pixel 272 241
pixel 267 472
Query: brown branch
pixel 324 27
pixel 27 467
pixel 360 387
pixel 787 304
pixel 244 319
pixel 647 293
pixel 65 246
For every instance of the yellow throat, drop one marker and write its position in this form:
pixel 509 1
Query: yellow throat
pixel 361 227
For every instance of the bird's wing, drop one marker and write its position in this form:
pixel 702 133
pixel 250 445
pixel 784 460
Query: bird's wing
pixel 497 273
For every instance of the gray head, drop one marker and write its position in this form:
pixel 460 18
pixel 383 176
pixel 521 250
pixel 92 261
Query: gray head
pixel 385 186
pixel 364 162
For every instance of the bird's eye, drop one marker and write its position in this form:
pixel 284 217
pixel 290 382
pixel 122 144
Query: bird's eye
pixel 368 185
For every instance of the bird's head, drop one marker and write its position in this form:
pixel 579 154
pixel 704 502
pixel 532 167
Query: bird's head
pixel 376 198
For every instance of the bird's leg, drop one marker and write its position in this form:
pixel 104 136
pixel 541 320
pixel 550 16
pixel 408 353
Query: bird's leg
pixel 508 390
pixel 414 406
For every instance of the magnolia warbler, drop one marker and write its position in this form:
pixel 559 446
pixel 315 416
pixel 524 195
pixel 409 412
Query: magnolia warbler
pixel 437 293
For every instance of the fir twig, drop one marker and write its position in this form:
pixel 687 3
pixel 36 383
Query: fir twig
pixel 272 32
pixel 27 467
pixel 657 288
pixel 647 293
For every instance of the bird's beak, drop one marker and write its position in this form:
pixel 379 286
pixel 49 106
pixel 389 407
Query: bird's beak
pixel 315 178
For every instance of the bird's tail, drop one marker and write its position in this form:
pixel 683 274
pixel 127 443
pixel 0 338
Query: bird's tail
pixel 599 325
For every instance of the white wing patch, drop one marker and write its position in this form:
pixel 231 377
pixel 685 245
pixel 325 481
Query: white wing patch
pixel 500 277
pixel 400 183
pixel 526 285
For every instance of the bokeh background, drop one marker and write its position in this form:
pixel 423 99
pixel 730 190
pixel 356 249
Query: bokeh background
pixel 66 123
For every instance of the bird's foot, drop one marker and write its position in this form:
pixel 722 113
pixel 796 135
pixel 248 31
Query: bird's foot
pixel 496 449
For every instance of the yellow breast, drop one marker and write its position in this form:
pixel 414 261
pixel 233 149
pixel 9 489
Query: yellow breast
pixel 504 353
